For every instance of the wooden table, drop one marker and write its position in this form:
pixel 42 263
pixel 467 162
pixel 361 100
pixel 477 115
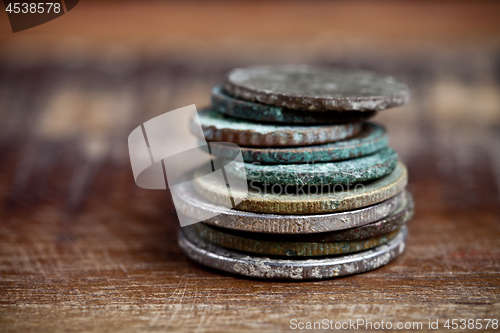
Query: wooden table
pixel 82 248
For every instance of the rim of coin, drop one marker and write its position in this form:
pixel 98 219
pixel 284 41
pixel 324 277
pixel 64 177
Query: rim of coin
pixel 393 221
pixel 372 137
pixel 289 249
pixel 359 169
pixel 194 206
pixel 239 263
pixel 239 108
pixel 257 200
pixel 218 127
pixel 317 89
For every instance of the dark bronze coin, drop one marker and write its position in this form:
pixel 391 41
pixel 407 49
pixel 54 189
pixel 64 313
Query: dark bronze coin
pixel 239 108
pixel 310 88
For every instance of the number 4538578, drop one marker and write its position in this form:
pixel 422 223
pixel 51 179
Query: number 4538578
pixel 33 8
pixel 471 324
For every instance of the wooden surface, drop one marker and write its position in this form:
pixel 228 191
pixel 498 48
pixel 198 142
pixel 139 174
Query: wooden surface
pixel 82 248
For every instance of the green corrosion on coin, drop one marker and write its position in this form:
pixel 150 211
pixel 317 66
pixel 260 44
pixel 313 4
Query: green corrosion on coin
pixel 278 200
pixel 218 127
pixel 350 171
pixel 372 137
pixel 239 108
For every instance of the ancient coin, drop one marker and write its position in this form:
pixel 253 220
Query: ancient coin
pixel 351 171
pixel 371 138
pixel 288 249
pixel 307 199
pixel 217 127
pixel 240 263
pixel 383 226
pixel 316 88
pixel 198 208
pixel 239 108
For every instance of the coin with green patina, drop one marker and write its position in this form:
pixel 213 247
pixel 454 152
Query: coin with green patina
pixel 218 127
pixel 236 262
pixel 239 108
pixel 311 88
pixel 351 171
pixel 302 199
pixel 372 137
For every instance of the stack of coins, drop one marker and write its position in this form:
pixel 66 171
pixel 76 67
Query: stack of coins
pixel 326 195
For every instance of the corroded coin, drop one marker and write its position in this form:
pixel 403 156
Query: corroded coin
pixel 371 138
pixel 351 171
pixel 198 208
pixel 288 249
pixel 394 221
pixel 307 199
pixel 239 108
pixel 236 262
pixel 217 127
pixel 317 88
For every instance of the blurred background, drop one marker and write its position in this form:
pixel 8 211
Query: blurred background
pixel 71 91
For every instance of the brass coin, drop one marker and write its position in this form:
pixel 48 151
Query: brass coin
pixel 277 199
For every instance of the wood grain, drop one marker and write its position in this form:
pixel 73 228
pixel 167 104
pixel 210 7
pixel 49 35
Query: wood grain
pixel 83 249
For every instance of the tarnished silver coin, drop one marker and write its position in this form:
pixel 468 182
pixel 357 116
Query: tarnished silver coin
pixel 309 245
pixel 311 88
pixel 235 262
pixel 191 204
pixel 237 238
